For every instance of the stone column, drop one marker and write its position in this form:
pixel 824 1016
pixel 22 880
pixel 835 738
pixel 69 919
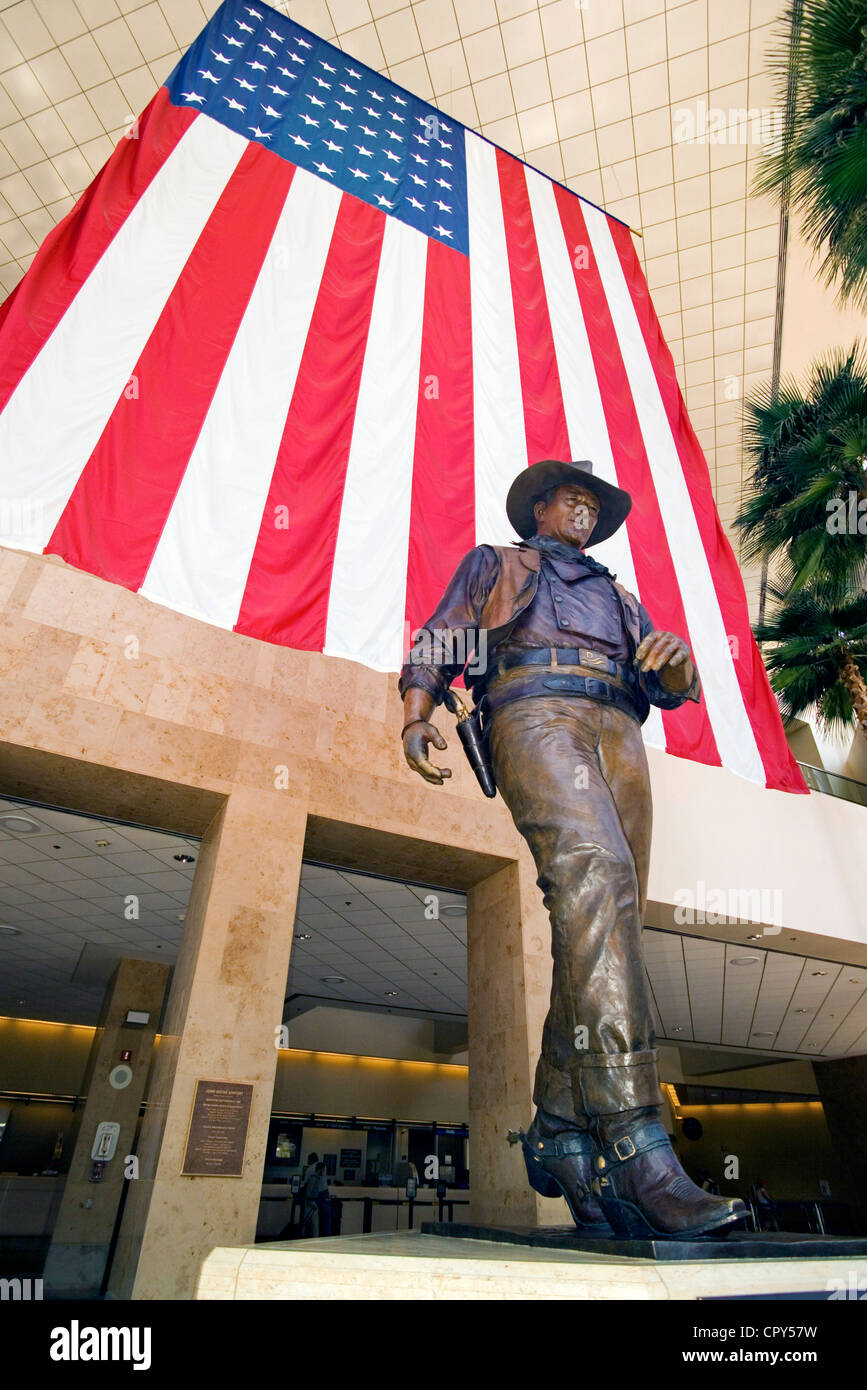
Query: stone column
pixel 75 1265
pixel 225 1004
pixel 509 970
pixel 843 1089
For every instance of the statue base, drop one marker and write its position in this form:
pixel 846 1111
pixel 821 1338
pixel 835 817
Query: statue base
pixel 738 1245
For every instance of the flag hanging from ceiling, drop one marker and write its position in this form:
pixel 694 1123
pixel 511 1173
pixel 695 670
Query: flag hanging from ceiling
pixel 278 367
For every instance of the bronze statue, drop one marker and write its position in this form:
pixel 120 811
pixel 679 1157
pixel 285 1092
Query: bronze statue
pixel 572 664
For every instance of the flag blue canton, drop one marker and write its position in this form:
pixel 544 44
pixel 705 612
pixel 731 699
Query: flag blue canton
pixel 262 75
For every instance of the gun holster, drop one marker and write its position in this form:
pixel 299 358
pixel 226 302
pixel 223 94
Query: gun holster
pixel 473 736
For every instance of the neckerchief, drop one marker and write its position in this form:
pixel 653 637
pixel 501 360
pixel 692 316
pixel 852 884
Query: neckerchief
pixel 556 550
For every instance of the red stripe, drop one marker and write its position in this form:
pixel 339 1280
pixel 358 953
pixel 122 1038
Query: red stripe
pixel 286 597
pixel 442 511
pixel 544 416
pixel 688 731
pixel 113 521
pixel 72 249
pixel 781 769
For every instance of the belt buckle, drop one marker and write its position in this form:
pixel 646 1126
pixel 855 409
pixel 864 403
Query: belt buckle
pixel 632 1149
pixel 594 659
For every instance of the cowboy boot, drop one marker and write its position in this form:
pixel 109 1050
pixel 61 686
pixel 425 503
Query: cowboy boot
pixel 558 1158
pixel 642 1188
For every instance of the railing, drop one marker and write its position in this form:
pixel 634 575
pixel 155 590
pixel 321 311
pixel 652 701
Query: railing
pixel 818 780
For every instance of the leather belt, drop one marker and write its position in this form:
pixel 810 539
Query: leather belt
pixel 550 682
pixel 563 656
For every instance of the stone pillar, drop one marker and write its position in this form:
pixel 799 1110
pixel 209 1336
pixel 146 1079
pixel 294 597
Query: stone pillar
pixel 843 1089
pixel 225 1004
pixel 75 1265
pixel 509 971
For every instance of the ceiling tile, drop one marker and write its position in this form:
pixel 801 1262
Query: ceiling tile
pixel 27 30
pixel 399 36
pixel 473 15
pixel 522 38
pixel 436 22
pixel 567 72
pixel 485 54
pixel 447 67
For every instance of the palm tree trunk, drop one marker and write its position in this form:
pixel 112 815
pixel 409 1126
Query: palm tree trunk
pixel 856 689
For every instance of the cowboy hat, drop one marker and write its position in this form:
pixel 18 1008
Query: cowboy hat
pixel 532 483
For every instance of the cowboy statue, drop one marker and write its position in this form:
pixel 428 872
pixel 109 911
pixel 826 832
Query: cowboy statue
pixel 572 665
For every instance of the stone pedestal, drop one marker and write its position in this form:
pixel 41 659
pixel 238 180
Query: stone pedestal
pixel 80 1245
pixel 410 1266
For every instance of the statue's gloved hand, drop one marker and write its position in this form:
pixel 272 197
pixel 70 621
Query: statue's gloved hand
pixel 416 738
pixel 668 654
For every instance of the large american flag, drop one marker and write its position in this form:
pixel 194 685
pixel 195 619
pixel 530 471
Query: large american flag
pixel 279 365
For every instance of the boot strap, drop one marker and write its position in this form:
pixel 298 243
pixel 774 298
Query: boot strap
pixel 559 1146
pixel 648 1135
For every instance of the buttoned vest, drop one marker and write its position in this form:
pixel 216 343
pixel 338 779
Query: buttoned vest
pixel 515 588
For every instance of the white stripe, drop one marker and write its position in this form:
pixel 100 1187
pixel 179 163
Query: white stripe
pixel 732 730
pixel 59 409
pixel 500 439
pixel 582 400
pixel 202 561
pixel 368 582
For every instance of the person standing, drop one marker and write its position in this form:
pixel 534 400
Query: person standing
pixel 573 664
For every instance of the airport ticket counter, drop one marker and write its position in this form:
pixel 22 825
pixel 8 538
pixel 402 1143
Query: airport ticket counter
pixel 364 1208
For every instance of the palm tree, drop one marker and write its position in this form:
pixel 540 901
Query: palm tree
pixel 808 451
pixel 819 657
pixel 819 169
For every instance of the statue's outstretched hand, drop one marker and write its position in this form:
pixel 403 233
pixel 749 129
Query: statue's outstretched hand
pixel 668 654
pixel 416 738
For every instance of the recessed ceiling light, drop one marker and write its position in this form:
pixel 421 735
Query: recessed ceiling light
pixel 454 910
pixel 390 993
pixel 763 1035
pixel 185 858
pixel 9 931
pixel 103 844
pixel 755 936
pixel 19 825
pixel 853 980
pixel 744 960
pixel 303 936
pixel 333 979
pixel 802 1011
pixel 182 917
pixel 820 972
pixel 678 1029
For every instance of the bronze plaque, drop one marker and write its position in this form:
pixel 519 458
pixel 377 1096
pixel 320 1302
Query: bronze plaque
pixel 217 1136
